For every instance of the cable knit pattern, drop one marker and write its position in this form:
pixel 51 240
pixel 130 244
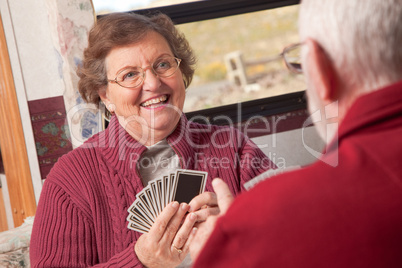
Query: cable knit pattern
pixel 81 215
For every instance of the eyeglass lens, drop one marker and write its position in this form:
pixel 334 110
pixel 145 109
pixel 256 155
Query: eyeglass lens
pixel 292 56
pixel 133 76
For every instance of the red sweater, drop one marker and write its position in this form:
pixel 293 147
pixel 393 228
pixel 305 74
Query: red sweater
pixel 349 215
pixel 81 215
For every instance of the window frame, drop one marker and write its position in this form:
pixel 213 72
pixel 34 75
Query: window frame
pixel 212 9
pixel 290 106
pixel 291 103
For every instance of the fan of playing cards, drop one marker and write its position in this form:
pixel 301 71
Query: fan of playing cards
pixel 181 186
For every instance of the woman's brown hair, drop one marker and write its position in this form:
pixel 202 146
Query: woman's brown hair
pixel 120 29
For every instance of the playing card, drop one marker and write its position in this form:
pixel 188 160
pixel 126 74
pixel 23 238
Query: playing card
pixel 137 222
pixel 151 200
pixel 138 227
pixel 188 184
pixel 145 212
pixel 136 212
pixel 159 189
pixel 165 184
pixel 146 203
pixel 170 187
pixel 181 186
pixel 155 195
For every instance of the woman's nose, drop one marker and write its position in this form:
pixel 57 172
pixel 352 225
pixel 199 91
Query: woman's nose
pixel 151 80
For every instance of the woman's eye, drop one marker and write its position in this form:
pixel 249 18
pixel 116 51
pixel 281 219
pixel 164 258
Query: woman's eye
pixel 163 65
pixel 131 75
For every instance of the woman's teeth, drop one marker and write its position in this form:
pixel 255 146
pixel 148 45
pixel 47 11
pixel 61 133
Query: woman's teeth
pixel 154 101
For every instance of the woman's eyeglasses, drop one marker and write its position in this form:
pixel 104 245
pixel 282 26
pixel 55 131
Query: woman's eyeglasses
pixel 134 76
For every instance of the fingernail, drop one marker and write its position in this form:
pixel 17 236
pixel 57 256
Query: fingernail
pixel 194 230
pixel 184 206
pixel 193 216
pixel 175 204
pixel 216 181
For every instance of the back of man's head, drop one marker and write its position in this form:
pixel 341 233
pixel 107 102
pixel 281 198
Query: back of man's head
pixel 363 38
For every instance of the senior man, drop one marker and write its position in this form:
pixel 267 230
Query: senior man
pixel 345 210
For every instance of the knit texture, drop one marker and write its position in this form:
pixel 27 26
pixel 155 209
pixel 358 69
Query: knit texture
pixel 81 215
pixel 347 214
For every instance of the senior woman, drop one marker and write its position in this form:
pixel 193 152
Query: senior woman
pixel 139 67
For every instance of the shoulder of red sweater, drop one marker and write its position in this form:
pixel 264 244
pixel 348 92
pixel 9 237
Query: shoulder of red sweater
pixel 90 145
pixel 75 171
pixel 291 182
pixel 79 159
pixel 192 124
pixel 214 129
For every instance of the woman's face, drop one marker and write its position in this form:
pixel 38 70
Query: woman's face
pixel 151 111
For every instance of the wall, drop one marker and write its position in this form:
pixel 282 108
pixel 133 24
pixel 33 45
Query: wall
pixel 45 40
pixel 292 148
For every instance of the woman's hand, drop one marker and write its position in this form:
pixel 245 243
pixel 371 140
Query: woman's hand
pixel 166 244
pixel 204 205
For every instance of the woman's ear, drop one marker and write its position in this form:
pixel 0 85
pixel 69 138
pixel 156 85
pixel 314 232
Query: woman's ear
pixel 321 72
pixel 104 98
pixel 102 94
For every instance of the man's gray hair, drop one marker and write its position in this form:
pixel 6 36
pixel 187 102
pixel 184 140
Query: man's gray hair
pixel 362 37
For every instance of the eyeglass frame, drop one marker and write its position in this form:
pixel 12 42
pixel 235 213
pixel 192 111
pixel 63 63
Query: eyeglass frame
pixel 144 72
pixel 288 64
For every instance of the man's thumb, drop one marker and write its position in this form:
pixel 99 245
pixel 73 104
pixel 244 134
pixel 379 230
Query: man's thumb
pixel 223 194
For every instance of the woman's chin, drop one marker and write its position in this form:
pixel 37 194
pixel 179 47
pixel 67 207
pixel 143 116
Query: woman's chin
pixel 165 123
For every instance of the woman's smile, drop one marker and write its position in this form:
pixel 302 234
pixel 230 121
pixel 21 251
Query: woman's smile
pixel 157 102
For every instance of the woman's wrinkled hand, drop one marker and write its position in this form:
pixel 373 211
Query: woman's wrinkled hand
pixel 166 244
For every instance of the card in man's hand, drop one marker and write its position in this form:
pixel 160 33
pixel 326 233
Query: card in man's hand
pixel 181 186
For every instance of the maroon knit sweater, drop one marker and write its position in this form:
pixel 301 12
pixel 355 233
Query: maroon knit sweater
pixel 81 215
pixel 325 215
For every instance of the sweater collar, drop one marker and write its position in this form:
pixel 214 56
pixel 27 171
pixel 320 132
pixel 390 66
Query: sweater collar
pixel 370 109
pixel 122 151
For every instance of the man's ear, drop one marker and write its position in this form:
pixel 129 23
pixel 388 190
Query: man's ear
pixel 321 71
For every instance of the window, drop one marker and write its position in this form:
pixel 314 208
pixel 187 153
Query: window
pixel 237 58
pixel 236 43
pixel 107 6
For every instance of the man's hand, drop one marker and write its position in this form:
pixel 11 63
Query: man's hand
pixel 204 206
pixel 199 238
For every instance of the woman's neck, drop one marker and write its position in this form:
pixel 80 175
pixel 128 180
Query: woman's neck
pixel 144 134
